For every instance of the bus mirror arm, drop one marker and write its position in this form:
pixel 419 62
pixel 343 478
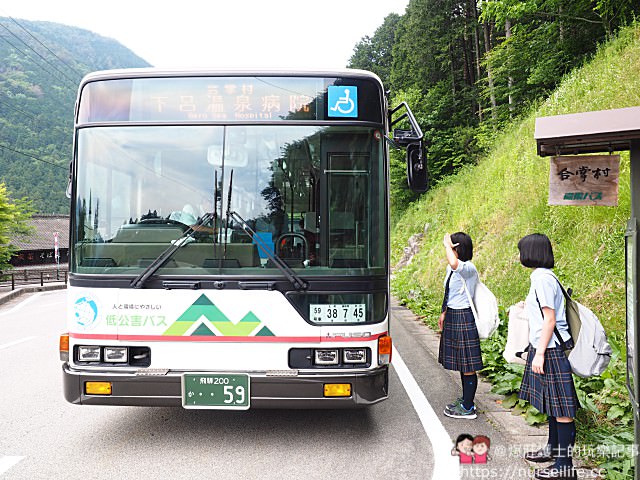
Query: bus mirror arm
pixel 405 137
pixel 68 191
pixel 389 139
pixel 298 283
pixel 413 141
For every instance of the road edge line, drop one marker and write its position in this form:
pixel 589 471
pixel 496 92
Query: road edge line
pixel 446 466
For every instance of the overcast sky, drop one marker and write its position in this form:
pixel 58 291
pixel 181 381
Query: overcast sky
pixel 222 33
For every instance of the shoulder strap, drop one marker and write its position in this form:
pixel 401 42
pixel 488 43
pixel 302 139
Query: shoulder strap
pixel 471 304
pixel 567 300
pixel 446 292
pixel 555 328
pixel 567 295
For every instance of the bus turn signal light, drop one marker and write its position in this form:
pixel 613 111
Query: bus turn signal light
pixel 97 388
pixel 384 350
pixel 64 347
pixel 337 389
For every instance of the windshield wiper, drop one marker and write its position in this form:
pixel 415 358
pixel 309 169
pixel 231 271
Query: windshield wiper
pixel 297 282
pixel 141 279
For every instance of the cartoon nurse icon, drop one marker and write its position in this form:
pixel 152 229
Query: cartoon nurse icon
pixel 463 448
pixel 480 449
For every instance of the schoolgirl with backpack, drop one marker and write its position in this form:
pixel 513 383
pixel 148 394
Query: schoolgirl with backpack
pixel 547 382
pixel 460 342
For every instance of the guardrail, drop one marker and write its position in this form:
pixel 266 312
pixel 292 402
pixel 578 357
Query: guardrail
pixel 32 276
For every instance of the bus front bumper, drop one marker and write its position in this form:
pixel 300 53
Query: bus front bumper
pixel 267 391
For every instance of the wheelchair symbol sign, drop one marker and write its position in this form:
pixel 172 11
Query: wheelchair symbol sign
pixel 343 102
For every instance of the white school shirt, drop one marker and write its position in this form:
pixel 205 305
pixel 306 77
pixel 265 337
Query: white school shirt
pixel 457 296
pixel 545 284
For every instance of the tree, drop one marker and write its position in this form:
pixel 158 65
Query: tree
pixel 13 222
pixel 543 40
pixel 436 54
pixel 376 53
pixel 455 60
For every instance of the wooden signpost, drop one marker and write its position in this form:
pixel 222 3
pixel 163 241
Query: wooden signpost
pixel 584 180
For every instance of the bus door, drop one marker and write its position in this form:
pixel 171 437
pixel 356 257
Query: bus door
pixel 344 198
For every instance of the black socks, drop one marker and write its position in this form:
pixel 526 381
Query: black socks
pixel 469 387
pixel 566 441
pixel 552 444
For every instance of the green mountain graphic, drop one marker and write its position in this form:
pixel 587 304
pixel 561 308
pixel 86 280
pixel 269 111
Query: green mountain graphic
pixel 203 307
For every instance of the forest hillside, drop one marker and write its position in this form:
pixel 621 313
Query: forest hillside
pixel 41 64
pixel 504 197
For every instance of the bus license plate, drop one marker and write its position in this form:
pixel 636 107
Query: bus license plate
pixel 338 313
pixel 216 391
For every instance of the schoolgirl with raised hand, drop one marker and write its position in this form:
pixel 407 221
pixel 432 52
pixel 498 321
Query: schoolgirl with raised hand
pixel 459 342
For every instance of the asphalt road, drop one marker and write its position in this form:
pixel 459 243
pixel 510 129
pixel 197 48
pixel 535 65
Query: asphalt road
pixel 43 437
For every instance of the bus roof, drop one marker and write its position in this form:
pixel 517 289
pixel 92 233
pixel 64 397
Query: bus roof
pixel 206 95
pixel 205 72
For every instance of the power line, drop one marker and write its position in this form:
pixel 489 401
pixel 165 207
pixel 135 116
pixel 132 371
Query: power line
pixel 72 81
pixel 80 74
pixel 72 86
pixel 38 54
pixel 33 117
pixel 29 57
pixel 57 100
pixel 31 156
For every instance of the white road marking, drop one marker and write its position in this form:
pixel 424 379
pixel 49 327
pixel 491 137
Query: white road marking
pixel 16 342
pixel 28 300
pixel 7 462
pixel 446 466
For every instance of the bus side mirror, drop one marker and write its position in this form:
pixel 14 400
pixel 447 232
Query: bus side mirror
pixel 417 176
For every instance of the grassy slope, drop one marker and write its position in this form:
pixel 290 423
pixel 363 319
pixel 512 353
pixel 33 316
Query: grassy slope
pixel 505 197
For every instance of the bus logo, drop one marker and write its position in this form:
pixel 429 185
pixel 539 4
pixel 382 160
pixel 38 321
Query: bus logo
pixel 203 318
pixel 85 311
pixel 343 102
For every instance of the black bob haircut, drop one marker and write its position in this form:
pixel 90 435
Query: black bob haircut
pixel 461 437
pixel 465 246
pixel 536 251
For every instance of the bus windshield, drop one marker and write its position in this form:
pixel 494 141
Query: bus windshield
pixel 314 196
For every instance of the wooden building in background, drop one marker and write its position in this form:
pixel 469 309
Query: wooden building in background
pixel 39 249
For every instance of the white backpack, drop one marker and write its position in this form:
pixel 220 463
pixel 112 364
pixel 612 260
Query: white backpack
pixel 517 335
pixel 591 353
pixel 484 306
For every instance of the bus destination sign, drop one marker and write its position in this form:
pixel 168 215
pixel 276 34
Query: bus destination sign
pixel 223 100
pixel 203 99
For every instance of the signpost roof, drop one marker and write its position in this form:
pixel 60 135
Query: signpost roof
pixel 588 132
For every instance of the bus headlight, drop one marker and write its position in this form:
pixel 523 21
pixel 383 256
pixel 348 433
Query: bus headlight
pixel 354 355
pixel 89 354
pixel 326 357
pixel 115 354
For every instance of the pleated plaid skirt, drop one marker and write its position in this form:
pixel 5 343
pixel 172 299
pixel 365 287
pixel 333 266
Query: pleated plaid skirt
pixel 459 342
pixel 553 392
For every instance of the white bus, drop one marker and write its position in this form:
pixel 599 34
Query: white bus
pixel 229 242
